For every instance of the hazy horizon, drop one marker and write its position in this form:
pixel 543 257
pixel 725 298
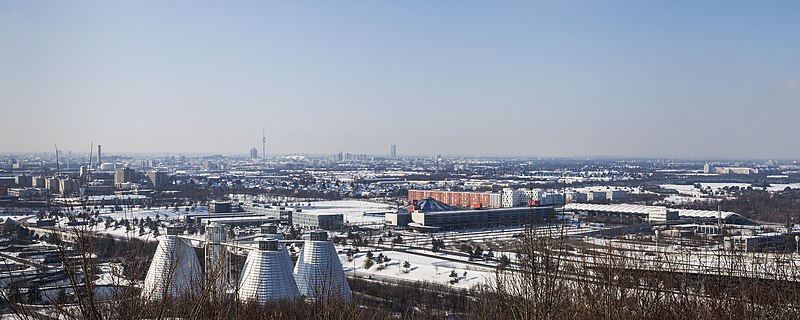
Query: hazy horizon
pixel 678 79
pixel 83 154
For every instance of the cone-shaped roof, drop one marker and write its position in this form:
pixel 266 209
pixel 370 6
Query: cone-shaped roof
pixel 318 272
pixel 174 271
pixel 432 205
pixel 267 274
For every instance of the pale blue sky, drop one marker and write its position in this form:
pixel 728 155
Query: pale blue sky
pixel 563 78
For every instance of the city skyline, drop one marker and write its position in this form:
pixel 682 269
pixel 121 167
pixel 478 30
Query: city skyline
pixel 675 79
pixel 412 159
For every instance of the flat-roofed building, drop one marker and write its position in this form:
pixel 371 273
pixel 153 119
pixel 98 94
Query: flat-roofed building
pixel 643 212
pixel 513 198
pixel 23 181
pixel 398 219
pixel 765 242
pixel 661 215
pixel 576 197
pixel 220 207
pixel 68 187
pixel 616 195
pixel 282 214
pixel 484 218
pixel 595 196
pixel 123 175
pixel 327 221
pixel 38 182
pixel 158 179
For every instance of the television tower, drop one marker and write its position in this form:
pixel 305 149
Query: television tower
pixel 263 144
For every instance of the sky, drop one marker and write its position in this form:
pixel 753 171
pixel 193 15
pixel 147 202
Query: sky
pixel 689 79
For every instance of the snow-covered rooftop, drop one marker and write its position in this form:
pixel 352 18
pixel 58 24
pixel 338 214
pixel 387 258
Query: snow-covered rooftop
pixel 644 210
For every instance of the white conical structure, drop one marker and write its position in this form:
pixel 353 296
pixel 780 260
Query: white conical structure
pixel 267 274
pixel 318 272
pixel 175 269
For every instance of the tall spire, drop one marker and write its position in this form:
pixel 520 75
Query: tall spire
pixel 263 143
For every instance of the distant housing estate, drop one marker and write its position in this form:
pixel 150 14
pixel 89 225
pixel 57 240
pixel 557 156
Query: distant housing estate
pixel 510 197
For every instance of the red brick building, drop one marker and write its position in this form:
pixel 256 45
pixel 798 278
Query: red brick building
pixel 464 199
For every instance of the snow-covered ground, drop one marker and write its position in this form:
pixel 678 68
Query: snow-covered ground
pixel 422 268
pixel 162 213
pixel 354 211
pixel 707 259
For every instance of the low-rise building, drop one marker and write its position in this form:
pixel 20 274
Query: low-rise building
pixel 595 196
pixel 551 198
pixel 327 221
pixel 772 242
pixel 616 195
pixel 449 219
pixel 661 215
pixel 220 207
pixel 576 197
pixel 28 193
pixel 735 170
pixel 398 219
pixel 282 214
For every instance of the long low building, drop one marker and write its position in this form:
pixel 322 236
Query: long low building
pixel 277 212
pixel 766 242
pixel 480 218
pixel 318 220
pixel 236 220
pixel 299 217
pixel 642 211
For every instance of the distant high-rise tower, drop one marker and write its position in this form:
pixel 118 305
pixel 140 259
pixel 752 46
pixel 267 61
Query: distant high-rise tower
pixel 99 155
pixel 263 143
pixel 393 151
pixel 253 153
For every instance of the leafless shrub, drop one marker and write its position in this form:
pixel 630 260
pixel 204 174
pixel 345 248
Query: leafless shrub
pixel 548 282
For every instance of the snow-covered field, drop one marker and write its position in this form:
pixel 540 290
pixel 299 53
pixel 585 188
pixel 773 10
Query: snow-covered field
pixel 422 268
pixel 354 211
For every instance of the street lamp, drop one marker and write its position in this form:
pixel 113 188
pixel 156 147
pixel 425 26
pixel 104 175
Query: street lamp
pixel 797 243
pixel 656 238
